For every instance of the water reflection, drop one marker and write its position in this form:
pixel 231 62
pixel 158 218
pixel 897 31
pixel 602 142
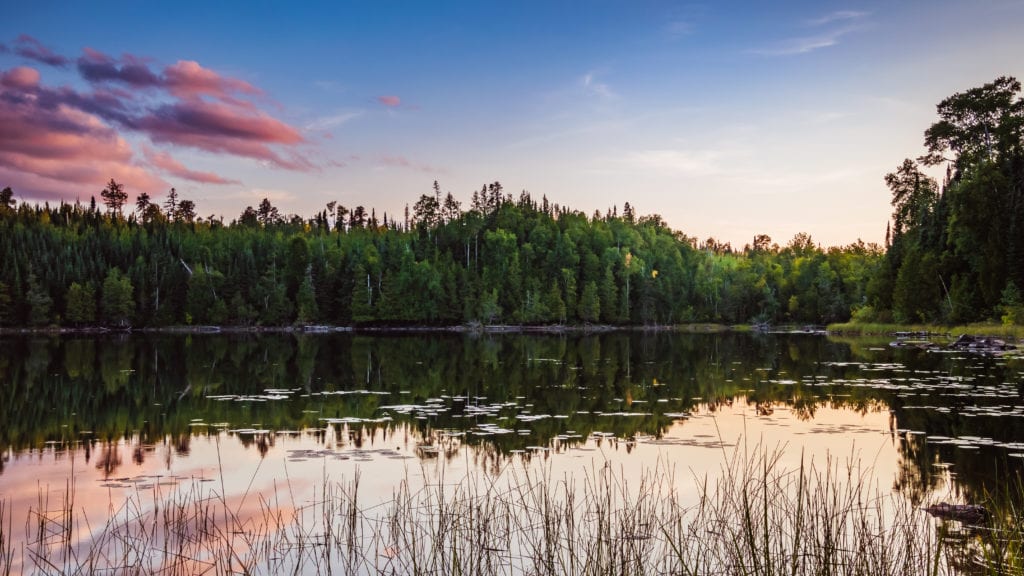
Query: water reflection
pixel 957 420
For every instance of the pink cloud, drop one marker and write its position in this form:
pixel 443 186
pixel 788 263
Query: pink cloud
pixel 43 150
pixel 21 78
pixel 390 101
pixel 187 79
pixel 28 47
pixel 218 127
pixel 54 132
pixel 225 125
pixel 61 139
pixel 403 162
pixel 165 162
pixel 212 118
pixel 96 66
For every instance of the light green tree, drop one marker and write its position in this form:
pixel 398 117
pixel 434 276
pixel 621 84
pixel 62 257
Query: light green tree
pixel 118 304
pixel 81 303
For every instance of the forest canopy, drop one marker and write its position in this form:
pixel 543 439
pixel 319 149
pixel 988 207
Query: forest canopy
pixel 504 259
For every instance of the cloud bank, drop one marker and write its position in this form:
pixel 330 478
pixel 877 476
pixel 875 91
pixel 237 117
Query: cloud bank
pixel 60 141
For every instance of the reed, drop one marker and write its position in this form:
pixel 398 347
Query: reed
pixel 756 517
pixel 1005 331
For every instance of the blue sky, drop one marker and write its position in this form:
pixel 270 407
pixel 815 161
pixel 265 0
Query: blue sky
pixel 729 119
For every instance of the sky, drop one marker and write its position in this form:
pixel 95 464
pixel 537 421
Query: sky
pixel 729 119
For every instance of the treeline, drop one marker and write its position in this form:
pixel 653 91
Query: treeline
pixel 955 252
pixel 504 259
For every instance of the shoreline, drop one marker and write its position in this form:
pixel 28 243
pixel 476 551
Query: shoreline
pixel 1010 333
pixel 380 329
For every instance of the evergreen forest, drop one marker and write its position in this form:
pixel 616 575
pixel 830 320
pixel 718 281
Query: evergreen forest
pixel 953 253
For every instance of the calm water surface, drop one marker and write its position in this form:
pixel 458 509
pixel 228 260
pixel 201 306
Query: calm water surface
pixel 261 416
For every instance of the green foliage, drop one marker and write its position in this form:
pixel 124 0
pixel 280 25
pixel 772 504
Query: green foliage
pixel 1012 306
pixel 297 264
pixel 275 309
pixel 81 303
pixel 590 304
pixel 204 305
pixel 114 196
pixel 39 302
pixel 490 310
pixel 307 312
pixel 954 251
pixel 118 305
pixel 6 199
pixel 913 196
pixel 6 305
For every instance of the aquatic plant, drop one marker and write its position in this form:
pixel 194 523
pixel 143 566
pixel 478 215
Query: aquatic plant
pixel 756 517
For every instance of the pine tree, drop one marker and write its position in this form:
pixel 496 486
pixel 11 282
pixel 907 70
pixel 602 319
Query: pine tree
pixel 590 304
pixel 308 312
pixel 114 196
pixel 39 302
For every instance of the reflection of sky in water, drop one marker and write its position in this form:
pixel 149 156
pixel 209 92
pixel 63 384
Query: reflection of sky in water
pixel 296 465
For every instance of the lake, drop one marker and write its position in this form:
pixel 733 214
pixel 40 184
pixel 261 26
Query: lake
pixel 93 429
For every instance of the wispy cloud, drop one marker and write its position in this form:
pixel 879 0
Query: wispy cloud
pixel 327 122
pixel 678 161
pixel 838 16
pixel 678 28
pixel 681 19
pixel 788 181
pixel 397 161
pixel 330 86
pixel 163 161
pixel 828 31
pixel 28 47
pixel 593 86
pixel 253 196
pixel 800 45
pixel 390 101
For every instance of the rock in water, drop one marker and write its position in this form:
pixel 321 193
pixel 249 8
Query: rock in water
pixel 972 514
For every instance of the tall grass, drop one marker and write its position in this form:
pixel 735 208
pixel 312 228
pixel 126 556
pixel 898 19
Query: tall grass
pixel 755 518
pixel 1007 331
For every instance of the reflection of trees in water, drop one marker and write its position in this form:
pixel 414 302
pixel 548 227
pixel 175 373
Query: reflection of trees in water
pixel 182 443
pixel 109 459
pixel 917 475
pixel 116 364
pixel 262 441
pixel 138 455
pixel 80 358
pixel 154 386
